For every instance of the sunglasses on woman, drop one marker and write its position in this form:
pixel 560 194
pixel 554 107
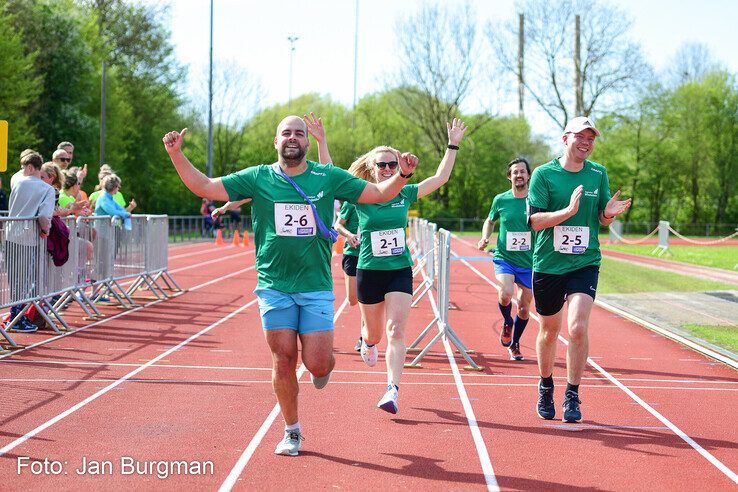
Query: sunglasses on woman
pixel 391 164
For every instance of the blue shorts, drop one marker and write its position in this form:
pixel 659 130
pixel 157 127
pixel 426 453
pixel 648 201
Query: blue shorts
pixel 304 312
pixel 523 276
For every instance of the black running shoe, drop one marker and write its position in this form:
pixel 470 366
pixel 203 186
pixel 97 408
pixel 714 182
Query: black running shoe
pixel 571 407
pixel 546 408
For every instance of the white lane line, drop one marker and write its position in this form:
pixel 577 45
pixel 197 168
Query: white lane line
pixel 245 457
pixel 407 374
pixel 381 382
pixel 669 334
pixel 706 454
pixel 9 447
pixel 482 453
pixel 119 315
pixel 215 260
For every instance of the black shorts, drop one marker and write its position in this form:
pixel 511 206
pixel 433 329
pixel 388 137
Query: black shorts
pixel 348 264
pixel 372 285
pixel 550 290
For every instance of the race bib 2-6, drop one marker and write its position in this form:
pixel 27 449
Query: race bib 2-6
pixel 294 219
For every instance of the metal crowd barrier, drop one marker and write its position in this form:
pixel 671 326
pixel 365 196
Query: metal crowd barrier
pixel 102 254
pixel 433 246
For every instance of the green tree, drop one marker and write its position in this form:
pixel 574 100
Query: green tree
pixel 19 88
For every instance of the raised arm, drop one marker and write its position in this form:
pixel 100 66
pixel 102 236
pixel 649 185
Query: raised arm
pixel 197 182
pixel 456 131
pixel 388 189
pixel 317 130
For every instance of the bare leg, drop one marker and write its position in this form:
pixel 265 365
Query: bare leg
pixel 317 352
pixel 580 306
pixel 546 343
pixel 398 309
pixel 283 344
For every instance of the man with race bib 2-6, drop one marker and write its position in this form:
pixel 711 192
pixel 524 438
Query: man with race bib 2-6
pixel 568 200
pixel 295 286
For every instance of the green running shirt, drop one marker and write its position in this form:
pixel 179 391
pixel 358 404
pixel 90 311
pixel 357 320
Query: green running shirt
pixel 348 213
pixel 382 226
pixel 291 255
pixel 574 243
pixel 514 240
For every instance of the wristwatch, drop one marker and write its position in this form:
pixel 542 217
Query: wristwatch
pixel 406 176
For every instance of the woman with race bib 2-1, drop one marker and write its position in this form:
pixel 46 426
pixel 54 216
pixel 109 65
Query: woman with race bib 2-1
pixel 384 273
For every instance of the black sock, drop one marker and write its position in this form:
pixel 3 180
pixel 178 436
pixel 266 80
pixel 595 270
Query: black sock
pixel 547 382
pixel 572 387
pixel 505 310
pixel 519 328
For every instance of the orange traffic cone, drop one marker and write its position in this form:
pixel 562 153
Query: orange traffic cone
pixel 245 238
pixel 338 245
pixel 219 237
pixel 236 239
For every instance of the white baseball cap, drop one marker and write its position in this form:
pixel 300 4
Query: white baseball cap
pixel 580 123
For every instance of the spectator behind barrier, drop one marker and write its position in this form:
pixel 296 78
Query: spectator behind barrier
pixel 106 205
pixel 52 175
pixel 29 197
pixel 106 170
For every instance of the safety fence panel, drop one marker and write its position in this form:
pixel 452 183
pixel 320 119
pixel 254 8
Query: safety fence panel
pixel 97 244
pixel 130 247
pixel 66 276
pixel 22 271
pixel 157 246
pixel 101 251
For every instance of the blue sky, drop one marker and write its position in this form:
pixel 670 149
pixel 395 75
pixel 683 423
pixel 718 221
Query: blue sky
pixel 253 35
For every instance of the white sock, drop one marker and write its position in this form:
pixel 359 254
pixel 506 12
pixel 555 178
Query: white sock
pixel 291 427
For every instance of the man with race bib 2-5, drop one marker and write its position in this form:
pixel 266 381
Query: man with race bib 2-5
pixel 569 198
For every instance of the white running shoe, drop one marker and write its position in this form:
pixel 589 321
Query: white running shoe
pixel 369 354
pixel 290 445
pixel 320 382
pixel 388 403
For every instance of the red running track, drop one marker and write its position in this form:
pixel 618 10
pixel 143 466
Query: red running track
pixel 188 379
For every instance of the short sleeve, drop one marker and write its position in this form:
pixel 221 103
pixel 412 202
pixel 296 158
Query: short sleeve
pixel 538 194
pixel 346 186
pixel 494 211
pixel 241 184
pixel 347 209
pixel 410 192
pixel 604 190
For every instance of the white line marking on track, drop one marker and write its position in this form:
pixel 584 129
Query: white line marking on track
pixel 382 382
pixel 123 313
pixel 9 447
pixel 482 453
pixel 243 460
pixel 216 260
pixel 706 454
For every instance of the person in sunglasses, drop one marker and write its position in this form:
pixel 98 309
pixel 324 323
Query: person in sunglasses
pixel 61 158
pixel 384 272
